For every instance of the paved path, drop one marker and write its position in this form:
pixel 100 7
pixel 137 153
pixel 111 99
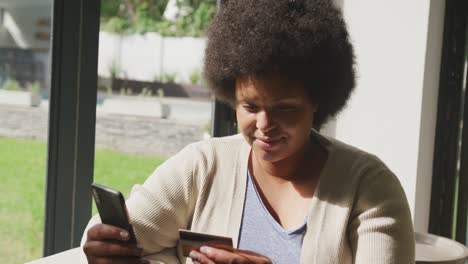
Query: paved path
pixel 181 109
pixel 132 134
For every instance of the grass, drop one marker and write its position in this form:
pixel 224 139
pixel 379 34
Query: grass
pixel 22 191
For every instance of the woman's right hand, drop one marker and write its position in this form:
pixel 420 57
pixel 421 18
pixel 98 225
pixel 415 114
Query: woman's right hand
pixel 109 244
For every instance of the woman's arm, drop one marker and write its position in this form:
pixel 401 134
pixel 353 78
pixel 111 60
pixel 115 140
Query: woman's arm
pixel 162 205
pixel 380 228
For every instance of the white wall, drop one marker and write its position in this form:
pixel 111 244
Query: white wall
pixel 20 26
pixel 21 21
pixel 428 114
pixel 145 57
pixel 393 110
pixel 183 55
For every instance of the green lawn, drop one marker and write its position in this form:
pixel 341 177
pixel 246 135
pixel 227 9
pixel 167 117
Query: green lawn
pixel 22 191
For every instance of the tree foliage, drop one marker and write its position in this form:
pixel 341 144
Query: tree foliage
pixel 140 16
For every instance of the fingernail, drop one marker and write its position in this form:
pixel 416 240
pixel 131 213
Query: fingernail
pixel 124 234
pixel 205 250
pixel 193 255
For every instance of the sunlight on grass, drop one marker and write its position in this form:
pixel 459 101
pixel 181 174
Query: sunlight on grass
pixel 121 171
pixel 22 191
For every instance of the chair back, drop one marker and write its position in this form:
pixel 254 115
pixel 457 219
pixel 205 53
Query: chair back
pixel 432 249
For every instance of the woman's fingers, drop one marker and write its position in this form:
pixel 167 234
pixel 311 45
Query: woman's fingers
pixel 219 255
pixel 107 232
pixel 108 244
pixel 199 258
pixel 210 255
pixel 106 248
pixel 250 254
pixel 120 261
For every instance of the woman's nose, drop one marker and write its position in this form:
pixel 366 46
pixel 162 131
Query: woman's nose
pixel 265 121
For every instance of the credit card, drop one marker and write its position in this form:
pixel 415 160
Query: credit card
pixel 193 241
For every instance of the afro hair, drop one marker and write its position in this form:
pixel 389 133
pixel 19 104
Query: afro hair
pixel 303 40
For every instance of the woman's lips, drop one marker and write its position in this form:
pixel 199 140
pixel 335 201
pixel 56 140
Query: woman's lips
pixel 267 144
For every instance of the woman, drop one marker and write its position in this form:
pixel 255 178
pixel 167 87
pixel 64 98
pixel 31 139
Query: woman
pixel 282 191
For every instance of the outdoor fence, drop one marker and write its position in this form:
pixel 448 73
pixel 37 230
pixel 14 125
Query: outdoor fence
pixel 150 57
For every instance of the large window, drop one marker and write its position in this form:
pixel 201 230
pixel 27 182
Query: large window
pixel 25 29
pixel 151 100
pixel 135 119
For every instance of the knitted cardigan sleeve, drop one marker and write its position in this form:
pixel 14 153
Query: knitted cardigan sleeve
pixel 381 229
pixel 162 205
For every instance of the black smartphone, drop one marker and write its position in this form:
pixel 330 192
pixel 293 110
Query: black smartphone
pixel 111 207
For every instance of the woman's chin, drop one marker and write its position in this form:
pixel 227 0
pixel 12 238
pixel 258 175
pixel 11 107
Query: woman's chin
pixel 268 155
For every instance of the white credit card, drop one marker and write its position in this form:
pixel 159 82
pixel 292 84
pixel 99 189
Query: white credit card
pixel 193 241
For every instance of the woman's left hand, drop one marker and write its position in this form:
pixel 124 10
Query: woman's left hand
pixel 211 255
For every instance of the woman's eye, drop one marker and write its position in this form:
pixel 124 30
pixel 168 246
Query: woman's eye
pixel 250 108
pixel 286 108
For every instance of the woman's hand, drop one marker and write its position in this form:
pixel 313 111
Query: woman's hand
pixel 109 244
pixel 210 255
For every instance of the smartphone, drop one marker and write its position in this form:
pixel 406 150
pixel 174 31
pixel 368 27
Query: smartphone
pixel 111 207
pixel 190 240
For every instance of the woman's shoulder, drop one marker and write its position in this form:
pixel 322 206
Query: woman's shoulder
pixel 354 174
pixel 355 166
pixel 351 156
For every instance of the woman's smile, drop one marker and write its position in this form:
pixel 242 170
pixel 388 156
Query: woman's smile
pixel 268 143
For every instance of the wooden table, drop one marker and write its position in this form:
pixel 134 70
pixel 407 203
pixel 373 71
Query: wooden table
pixel 71 256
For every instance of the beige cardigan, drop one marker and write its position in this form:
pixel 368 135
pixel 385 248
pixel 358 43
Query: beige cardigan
pixel 359 213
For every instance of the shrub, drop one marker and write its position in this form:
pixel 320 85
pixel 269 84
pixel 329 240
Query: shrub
pixel 168 77
pixel 115 25
pixel 147 16
pixel 194 77
pixel 11 85
pixel 114 70
pixel 34 87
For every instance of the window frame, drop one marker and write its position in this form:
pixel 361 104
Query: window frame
pixel 451 110
pixel 72 122
pixel 72 115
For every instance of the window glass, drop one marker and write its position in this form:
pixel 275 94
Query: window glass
pixel 152 100
pixel 25 28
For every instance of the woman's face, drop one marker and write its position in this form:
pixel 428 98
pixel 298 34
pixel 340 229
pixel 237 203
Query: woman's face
pixel 274 115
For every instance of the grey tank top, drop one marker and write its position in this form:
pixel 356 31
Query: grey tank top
pixel 262 234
